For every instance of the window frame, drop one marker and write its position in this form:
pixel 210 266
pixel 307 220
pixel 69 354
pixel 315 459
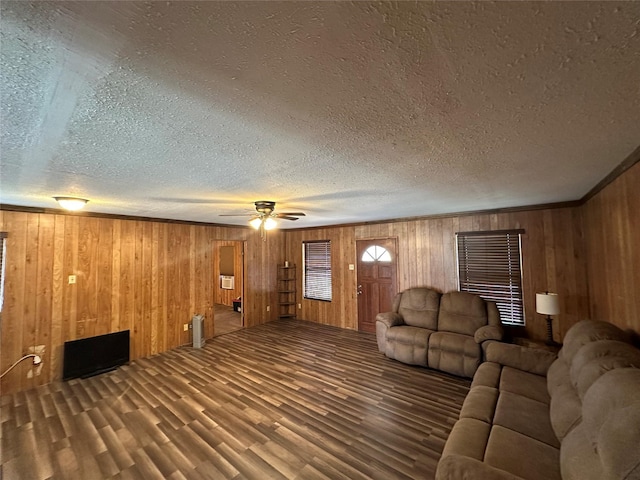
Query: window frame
pixel 376 257
pixel 502 284
pixel 317 280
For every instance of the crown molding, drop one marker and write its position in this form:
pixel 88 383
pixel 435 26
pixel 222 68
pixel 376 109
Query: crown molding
pixel 626 164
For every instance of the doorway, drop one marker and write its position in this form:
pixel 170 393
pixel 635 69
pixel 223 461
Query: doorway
pixel 228 315
pixel 377 282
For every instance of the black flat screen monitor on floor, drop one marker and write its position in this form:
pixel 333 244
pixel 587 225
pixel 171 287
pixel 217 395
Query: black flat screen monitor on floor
pixel 90 356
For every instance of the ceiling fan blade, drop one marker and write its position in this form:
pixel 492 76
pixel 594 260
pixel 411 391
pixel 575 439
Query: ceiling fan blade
pixel 237 215
pixel 285 217
pixel 297 214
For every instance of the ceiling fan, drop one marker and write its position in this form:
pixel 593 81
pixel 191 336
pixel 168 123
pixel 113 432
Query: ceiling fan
pixel 265 217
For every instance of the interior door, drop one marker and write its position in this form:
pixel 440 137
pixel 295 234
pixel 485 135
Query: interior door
pixel 377 283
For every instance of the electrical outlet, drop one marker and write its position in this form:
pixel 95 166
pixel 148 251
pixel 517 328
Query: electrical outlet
pixel 268 308
pixel 299 306
pixel 36 369
pixel 72 279
pixel 185 327
pixel 352 266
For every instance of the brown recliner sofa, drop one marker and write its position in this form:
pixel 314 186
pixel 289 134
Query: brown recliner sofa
pixel 442 331
pixel 531 416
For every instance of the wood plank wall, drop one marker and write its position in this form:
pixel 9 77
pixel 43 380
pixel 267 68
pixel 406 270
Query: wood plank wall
pixel 342 310
pixel 612 232
pixel 552 249
pixel 149 277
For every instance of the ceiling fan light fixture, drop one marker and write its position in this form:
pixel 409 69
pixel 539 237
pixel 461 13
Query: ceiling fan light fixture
pixel 71 203
pixel 255 222
pixel 270 223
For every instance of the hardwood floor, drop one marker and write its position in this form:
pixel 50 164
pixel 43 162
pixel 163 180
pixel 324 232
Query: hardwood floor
pixel 289 399
pixel 226 320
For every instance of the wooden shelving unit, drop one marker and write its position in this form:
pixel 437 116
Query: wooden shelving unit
pixel 286 291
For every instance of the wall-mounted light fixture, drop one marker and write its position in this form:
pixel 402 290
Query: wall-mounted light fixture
pixel 71 203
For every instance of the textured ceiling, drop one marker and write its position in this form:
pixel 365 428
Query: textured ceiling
pixel 349 111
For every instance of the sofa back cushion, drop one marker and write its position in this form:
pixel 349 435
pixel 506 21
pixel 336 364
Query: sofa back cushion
pixel 419 307
pixel 597 358
pixel 461 312
pixel 611 419
pixel 587 331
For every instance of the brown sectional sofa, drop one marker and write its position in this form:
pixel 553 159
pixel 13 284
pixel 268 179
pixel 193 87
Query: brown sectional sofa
pixel 531 416
pixel 445 332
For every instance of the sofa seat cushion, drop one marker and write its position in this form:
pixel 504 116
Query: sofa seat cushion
pixel 468 438
pixel 408 344
pixel 521 455
pixel 527 384
pixel 526 416
pixel 454 353
pixel 457 467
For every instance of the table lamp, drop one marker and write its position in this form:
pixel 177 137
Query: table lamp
pixel 547 304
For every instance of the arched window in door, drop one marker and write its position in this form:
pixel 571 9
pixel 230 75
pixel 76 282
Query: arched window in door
pixel 376 253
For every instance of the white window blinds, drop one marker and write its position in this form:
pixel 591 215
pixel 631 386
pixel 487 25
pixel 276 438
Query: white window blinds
pixel 317 270
pixel 490 265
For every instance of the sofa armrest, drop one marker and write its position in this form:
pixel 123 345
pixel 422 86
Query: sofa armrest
pixel 493 314
pixel 531 360
pixel 390 319
pixel 488 332
pixel 459 467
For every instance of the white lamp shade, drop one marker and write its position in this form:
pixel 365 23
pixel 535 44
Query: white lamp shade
pixel 547 303
pixel 255 222
pixel 269 223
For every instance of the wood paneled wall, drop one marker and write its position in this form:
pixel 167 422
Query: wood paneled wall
pixel 151 277
pixel 342 310
pixel 148 277
pixel 612 232
pixel 552 250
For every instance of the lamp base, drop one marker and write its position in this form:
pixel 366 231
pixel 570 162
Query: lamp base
pixel 550 340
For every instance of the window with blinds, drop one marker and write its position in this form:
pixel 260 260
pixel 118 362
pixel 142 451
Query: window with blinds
pixel 316 279
pixel 490 265
pixel 3 250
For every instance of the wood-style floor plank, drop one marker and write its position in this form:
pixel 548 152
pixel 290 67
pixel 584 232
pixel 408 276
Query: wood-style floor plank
pixel 285 400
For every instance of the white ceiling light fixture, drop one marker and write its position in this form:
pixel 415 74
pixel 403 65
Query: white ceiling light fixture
pixel 270 223
pixel 255 222
pixel 263 223
pixel 71 203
